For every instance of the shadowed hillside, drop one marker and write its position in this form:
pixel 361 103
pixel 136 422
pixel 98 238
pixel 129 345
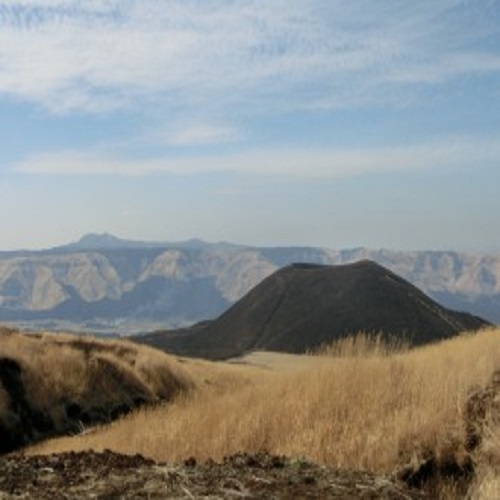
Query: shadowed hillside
pixel 304 306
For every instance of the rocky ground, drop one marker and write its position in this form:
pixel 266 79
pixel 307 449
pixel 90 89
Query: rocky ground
pixel 112 476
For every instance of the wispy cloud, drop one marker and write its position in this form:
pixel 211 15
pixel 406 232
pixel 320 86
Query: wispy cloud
pixel 198 134
pixel 448 155
pixel 99 55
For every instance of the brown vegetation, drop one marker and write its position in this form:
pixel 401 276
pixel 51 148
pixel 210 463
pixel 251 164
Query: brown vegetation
pixel 55 383
pixel 357 406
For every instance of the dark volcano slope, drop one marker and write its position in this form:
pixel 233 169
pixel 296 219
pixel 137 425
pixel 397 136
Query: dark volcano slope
pixel 303 306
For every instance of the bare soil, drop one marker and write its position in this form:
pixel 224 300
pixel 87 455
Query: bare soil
pixel 110 475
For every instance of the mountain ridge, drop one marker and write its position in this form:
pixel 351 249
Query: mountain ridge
pixel 107 241
pixel 176 285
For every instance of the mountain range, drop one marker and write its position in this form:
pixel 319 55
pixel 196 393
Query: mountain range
pixel 104 283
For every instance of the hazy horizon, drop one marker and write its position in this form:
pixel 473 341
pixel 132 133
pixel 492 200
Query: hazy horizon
pixel 244 244
pixel 290 122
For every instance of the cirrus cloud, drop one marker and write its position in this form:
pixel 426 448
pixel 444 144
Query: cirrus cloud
pixel 96 56
pixel 447 154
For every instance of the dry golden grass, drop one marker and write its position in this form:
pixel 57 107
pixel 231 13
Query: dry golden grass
pixel 363 346
pixel 363 408
pixel 62 369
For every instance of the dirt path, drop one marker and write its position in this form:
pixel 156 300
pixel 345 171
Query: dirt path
pixel 112 476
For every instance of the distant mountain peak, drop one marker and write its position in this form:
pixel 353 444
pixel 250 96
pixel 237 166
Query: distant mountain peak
pixel 107 241
pixel 102 240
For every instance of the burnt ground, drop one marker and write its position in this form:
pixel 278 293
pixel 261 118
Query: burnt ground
pixel 259 476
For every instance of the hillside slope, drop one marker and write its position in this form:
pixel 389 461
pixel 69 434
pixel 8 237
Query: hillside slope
pixel 59 384
pixel 304 306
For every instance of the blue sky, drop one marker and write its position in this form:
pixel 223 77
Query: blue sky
pixel 307 122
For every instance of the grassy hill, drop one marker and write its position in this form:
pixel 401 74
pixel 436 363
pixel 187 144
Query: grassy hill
pixel 426 415
pixel 52 384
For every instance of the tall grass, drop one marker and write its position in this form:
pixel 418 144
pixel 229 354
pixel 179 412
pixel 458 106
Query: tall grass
pixel 59 369
pixel 356 405
pixel 363 345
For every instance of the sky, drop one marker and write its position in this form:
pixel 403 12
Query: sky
pixel 327 123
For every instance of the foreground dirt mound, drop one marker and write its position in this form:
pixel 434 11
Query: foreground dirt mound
pixel 110 475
